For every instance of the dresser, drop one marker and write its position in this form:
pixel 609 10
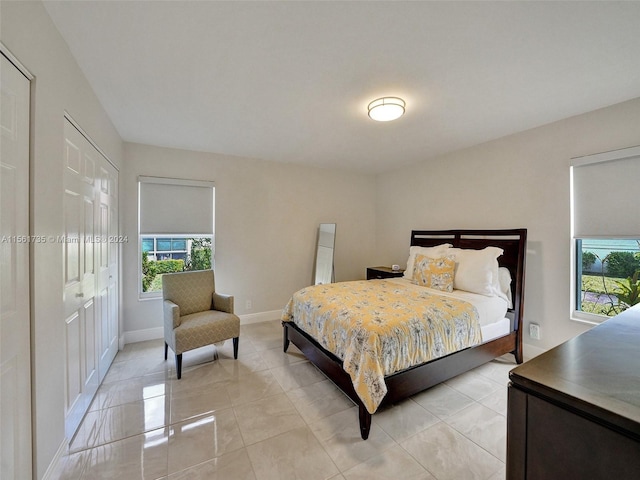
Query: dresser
pixel 574 411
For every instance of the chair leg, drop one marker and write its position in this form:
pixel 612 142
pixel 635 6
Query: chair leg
pixel 166 350
pixel 235 347
pixel 179 365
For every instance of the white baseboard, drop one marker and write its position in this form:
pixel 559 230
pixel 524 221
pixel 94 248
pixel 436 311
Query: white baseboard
pixel 260 317
pixel 143 335
pixel 134 336
pixel 530 351
pixel 52 472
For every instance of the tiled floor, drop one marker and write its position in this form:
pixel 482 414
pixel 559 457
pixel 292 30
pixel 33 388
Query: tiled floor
pixel 271 415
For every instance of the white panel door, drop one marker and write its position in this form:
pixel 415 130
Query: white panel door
pixel 108 264
pixel 81 318
pixel 15 369
pixel 91 269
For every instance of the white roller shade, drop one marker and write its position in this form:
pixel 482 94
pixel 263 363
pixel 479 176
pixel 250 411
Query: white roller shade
pixel 605 195
pixel 173 206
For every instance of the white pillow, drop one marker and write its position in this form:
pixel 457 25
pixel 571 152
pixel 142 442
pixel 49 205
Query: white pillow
pixel 476 270
pixel 431 252
pixel 504 282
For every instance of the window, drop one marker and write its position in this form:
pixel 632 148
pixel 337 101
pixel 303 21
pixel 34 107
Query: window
pixel 607 280
pixel 606 233
pixel 162 255
pixel 176 229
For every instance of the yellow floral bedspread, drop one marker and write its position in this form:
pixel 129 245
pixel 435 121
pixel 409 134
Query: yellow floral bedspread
pixel 378 327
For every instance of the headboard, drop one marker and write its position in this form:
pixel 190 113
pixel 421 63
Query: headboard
pixel 513 242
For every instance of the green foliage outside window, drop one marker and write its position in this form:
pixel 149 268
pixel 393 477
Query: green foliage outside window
pixel 199 258
pixel 616 288
pixel 588 259
pixel 152 268
pixel 148 271
pixel 622 264
pixel 200 255
pixel 628 291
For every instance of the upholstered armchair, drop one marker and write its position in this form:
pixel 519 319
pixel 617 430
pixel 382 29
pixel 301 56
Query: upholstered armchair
pixel 196 315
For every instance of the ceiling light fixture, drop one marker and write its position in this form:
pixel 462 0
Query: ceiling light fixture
pixel 386 108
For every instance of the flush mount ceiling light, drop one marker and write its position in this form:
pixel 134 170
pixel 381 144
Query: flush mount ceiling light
pixel 386 108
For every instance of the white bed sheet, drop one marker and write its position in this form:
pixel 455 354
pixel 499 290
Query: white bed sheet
pixel 495 330
pixel 490 309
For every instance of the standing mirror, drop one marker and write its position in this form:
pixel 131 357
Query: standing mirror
pixel 324 253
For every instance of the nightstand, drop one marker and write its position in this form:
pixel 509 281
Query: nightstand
pixel 383 272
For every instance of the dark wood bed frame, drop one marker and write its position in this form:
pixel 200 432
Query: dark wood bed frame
pixel 405 383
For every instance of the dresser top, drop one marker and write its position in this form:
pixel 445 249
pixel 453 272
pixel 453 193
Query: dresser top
pixel 386 269
pixel 597 373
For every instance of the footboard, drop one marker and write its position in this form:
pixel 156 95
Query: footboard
pixel 330 365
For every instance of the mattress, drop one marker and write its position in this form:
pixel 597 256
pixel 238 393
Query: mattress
pixel 490 309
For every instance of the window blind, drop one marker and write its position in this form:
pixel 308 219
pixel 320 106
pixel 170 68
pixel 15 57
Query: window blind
pixel 605 194
pixel 175 206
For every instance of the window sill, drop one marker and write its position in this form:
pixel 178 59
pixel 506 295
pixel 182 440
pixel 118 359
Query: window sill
pixel 586 318
pixel 143 297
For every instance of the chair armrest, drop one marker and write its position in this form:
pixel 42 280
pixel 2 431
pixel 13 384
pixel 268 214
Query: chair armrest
pixel 171 314
pixel 223 303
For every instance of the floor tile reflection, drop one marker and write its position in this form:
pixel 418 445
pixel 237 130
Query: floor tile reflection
pixel 272 415
pixel 202 438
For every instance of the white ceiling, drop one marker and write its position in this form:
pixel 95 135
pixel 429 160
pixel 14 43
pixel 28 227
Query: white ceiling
pixel 290 81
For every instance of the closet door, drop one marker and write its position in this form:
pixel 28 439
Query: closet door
pixel 91 266
pixel 15 367
pixel 81 317
pixel 107 258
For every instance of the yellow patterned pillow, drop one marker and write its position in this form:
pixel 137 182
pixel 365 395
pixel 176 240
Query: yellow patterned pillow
pixel 434 272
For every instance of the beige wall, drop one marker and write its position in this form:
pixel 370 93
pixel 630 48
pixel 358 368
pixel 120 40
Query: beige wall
pixel 267 217
pixel 517 181
pixel 28 33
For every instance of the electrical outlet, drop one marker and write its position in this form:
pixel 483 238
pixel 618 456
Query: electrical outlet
pixel 249 305
pixel 534 331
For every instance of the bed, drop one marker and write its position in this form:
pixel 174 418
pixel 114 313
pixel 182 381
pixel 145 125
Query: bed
pixel 480 331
